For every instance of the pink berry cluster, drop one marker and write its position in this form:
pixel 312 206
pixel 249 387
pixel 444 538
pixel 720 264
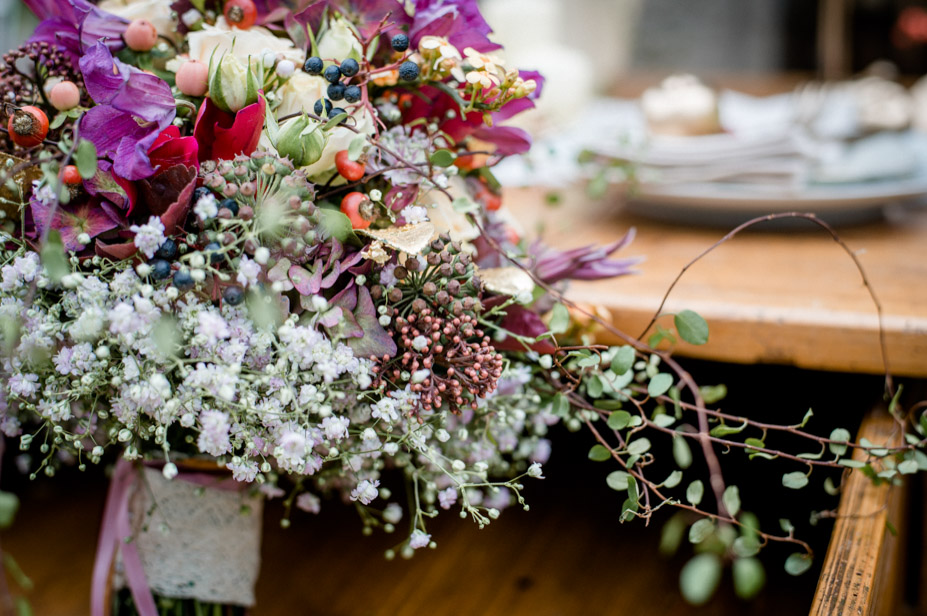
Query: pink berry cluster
pixel 449 361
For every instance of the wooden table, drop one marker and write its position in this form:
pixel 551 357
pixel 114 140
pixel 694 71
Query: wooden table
pixel 768 296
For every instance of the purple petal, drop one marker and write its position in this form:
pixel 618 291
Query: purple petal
pixel 75 25
pixel 459 21
pixel 302 280
pixel 507 139
pixel 376 341
pixel 71 221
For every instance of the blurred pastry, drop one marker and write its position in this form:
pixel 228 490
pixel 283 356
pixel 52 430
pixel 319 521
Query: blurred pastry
pixel 681 106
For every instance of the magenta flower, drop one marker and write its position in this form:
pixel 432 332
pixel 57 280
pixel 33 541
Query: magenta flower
pixel 586 263
pixel 133 107
pixel 223 136
pixel 74 25
pixel 72 220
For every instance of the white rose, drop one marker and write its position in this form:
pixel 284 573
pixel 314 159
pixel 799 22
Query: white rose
pixel 339 42
pixel 251 42
pixel 157 12
pixel 300 93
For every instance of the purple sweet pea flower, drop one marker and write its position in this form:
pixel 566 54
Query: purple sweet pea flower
pixel 132 109
pixel 586 263
pixel 459 21
pixel 74 25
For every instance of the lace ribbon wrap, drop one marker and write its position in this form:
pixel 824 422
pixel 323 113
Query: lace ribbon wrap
pixel 197 536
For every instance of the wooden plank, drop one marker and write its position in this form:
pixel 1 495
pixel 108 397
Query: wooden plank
pixel 860 575
pixel 769 296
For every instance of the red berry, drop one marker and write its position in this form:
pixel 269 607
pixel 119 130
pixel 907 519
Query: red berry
pixel 351 170
pixel 240 13
pixel 70 175
pixel 351 207
pixel 28 126
pixel 490 200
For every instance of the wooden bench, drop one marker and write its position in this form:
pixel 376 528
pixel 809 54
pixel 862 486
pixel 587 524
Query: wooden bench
pixel 862 572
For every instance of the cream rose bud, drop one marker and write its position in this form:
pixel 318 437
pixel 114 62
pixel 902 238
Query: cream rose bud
pixel 339 42
pixel 233 84
pixel 252 43
pixel 157 12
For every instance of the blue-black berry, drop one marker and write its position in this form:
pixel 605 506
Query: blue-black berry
pixel 199 193
pixel 352 94
pixel 349 67
pixel 400 42
pixel 336 111
pixel 233 295
pixel 319 107
pixel 168 250
pixel 314 65
pixel 229 204
pixel 336 91
pixel 183 280
pixel 408 71
pixel 332 74
pixel 215 256
pixel 160 269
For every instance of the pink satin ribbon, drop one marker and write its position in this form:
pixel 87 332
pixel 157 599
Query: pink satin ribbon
pixel 116 534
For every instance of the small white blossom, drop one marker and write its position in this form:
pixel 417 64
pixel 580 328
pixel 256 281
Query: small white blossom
pixel 206 207
pixel 414 214
pixel 366 491
pixel 419 539
pixel 150 236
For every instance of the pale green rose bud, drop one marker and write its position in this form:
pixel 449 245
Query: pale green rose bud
pixel 233 84
pixel 301 140
pixel 339 41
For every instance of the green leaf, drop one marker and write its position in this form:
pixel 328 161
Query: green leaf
pixel 797 563
pixel 682 453
pixel 23 607
pixel 559 319
pixel 335 121
pixel 796 480
pixel 746 547
pixel 594 386
pixel 639 446
pixel 701 530
pixel 464 205
pixel 921 459
pixel 700 577
pixel 86 159
pixel 664 421
pixel 691 327
pixel 786 525
pixel 619 420
pixel 830 488
pixel 623 360
pixel 804 421
pixel 726 430
pixel 671 535
pixel 695 492
pixel 713 393
pixel 560 407
pixel 659 384
pixel 58 120
pixel 673 480
pixel 850 463
pixel 333 223
pixel 356 147
pixel 9 505
pixel 443 158
pixel 839 434
pixel 908 467
pixel 53 257
pixel 599 453
pixel 618 480
pixel 749 577
pixel 731 500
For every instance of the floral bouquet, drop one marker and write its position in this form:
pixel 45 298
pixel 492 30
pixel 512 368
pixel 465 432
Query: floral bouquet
pixel 264 240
